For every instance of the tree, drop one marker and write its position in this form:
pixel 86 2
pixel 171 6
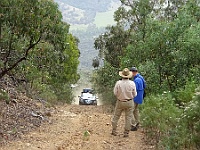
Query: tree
pixel 25 24
pixel 112 44
pixel 160 41
pixel 36 44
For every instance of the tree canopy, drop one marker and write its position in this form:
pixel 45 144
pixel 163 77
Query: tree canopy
pixel 160 37
pixel 36 44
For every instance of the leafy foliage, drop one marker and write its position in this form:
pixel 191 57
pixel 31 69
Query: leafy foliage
pixel 162 40
pixel 184 95
pixel 102 77
pixel 36 46
pixel 3 95
pixel 162 119
pixel 172 126
pixel 165 47
pixel 111 44
pixel 192 120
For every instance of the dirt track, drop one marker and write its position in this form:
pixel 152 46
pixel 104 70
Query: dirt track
pixel 76 127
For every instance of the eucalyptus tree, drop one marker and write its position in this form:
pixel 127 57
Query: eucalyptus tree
pixel 160 51
pixel 112 44
pixel 24 25
pixel 36 43
pixel 164 44
pixel 130 19
pixel 156 33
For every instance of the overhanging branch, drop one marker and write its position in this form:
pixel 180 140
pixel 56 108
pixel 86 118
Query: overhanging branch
pixel 6 70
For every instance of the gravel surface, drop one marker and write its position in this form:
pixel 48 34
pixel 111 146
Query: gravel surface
pixel 74 127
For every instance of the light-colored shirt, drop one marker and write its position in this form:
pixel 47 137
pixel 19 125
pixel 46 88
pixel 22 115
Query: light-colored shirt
pixel 125 89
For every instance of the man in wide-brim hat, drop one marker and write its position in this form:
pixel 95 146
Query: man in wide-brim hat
pixel 125 91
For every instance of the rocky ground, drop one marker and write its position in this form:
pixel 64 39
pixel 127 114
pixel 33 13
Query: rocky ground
pixel 29 124
pixel 73 127
pixel 20 116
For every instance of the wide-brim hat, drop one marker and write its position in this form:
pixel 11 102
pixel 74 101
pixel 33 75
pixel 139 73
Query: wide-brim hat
pixel 125 73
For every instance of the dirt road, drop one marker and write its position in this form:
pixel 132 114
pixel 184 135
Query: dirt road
pixel 75 127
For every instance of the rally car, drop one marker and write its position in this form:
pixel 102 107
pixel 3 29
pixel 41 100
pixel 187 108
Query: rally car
pixel 87 97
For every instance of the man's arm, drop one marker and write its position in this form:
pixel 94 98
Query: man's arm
pixel 115 90
pixel 134 91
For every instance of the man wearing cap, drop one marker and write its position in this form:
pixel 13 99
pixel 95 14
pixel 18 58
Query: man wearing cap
pixel 140 86
pixel 125 91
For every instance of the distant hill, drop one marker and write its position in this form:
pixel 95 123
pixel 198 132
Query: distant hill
pixel 84 11
pixel 88 19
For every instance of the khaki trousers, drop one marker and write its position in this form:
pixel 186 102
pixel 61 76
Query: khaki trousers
pixel 127 107
pixel 135 119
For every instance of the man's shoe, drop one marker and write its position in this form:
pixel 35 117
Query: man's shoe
pixel 137 125
pixel 125 135
pixel 114 133
pixel 133 128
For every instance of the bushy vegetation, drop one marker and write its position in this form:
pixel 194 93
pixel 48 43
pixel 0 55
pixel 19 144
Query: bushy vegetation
pixel 105 77
pixel 4 95
pixel 159 117
pixel 37 51
pixel 170 125
pixel 161 39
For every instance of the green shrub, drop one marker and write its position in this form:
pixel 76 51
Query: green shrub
pixel 187 133
pixel 184 95
pixel 160 117
pixel 103 81
pixel 4 95
pixel 171 127
pixel 108 97
pixel 64 94
pixel 192 119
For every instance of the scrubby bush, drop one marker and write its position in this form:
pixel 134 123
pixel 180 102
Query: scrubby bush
pixel 4 95
pixel 170 126
pixel 185 94
pixel 191 118
pixel 187 133
pixel 104 80
pixel 159 117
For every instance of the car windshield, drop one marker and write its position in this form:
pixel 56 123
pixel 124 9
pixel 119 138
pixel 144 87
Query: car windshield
pixel 87 90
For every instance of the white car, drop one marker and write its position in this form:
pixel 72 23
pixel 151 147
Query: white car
pixel 87 97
